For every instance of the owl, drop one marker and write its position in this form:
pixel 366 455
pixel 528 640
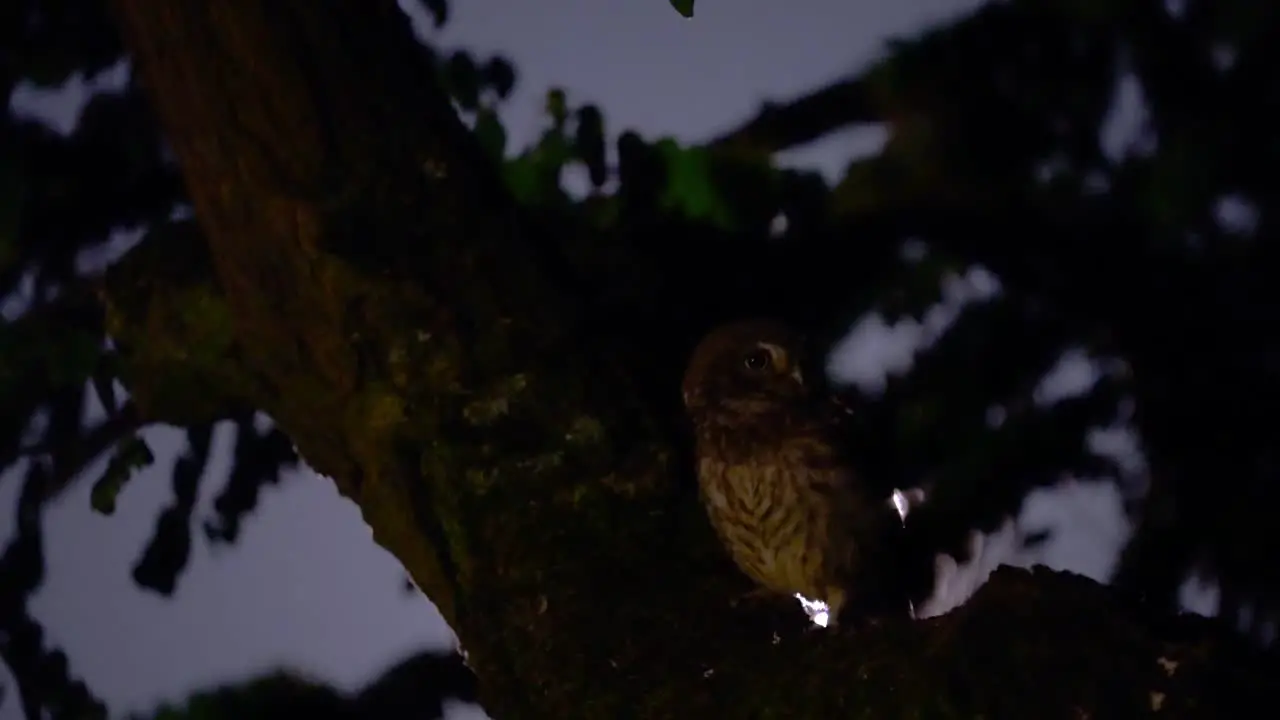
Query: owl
pixel 782 498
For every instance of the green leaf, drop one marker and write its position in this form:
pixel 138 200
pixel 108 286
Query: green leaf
pixel 492 136
pixel 557 107
pixel 684 7
pixel 522 179
pixel 131 455
pixel 690 186
pixel 535 174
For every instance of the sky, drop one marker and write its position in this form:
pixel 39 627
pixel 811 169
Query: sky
pixel 306 587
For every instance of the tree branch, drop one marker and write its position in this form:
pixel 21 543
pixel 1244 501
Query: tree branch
pixel 800 121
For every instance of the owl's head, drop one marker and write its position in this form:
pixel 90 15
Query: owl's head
pixel 748 367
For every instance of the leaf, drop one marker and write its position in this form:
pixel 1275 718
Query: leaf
pixel 589 142
pixel 684 7
pixel 690 186
pixel 439 10
pixel 499 74
pixel 43 346
pixel 490 133
pixel 557 107
pixel 130 456
pixel 522 179
pixel 73 357
pixel 533 175
pixel 104 377
pixel 464 80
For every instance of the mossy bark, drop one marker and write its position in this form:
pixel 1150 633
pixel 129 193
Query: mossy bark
pixel 368 283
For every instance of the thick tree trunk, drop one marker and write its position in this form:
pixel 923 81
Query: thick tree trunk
pixel 370 286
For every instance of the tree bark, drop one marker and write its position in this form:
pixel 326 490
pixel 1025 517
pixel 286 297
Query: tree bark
pixel 369 284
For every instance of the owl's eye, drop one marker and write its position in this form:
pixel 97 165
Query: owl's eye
pixel 757 359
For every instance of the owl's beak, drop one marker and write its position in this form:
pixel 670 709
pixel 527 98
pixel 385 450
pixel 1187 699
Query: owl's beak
pixel 795 373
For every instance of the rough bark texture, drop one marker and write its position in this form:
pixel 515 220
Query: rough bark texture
pixel 367 283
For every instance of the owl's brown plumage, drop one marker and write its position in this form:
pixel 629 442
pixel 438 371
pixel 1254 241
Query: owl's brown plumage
pixel 786 505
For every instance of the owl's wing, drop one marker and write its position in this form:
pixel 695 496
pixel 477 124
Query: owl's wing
pixel 826 471
pixel 866 534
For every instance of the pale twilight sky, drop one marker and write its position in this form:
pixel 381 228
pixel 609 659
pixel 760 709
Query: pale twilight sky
pixel 305 586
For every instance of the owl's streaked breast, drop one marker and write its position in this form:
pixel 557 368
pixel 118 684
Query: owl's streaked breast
pixel 775 524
